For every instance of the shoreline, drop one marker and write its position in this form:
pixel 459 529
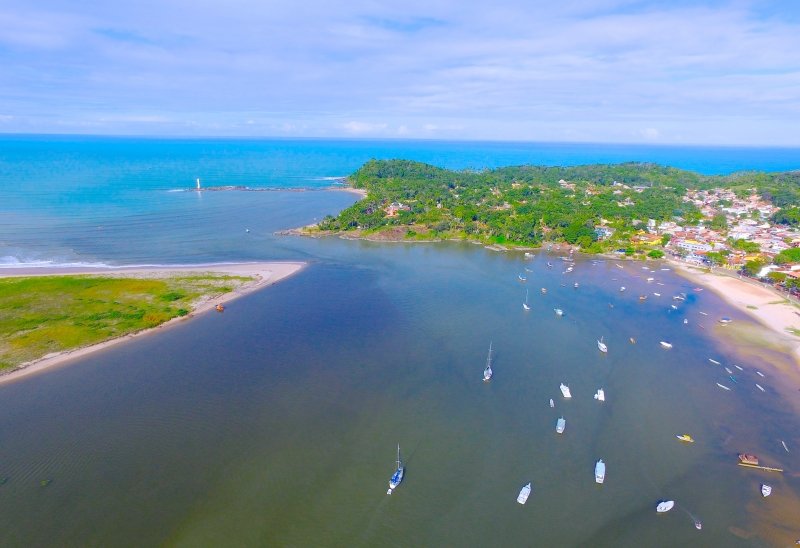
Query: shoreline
pixel 765 305
pixel 265 274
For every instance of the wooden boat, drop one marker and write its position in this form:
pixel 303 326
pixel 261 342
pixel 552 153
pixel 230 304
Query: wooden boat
pixel 219 308
pixel 746 458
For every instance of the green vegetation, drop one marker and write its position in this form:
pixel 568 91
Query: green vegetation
pixel 40 315
pixel 528 205
pixel 787 256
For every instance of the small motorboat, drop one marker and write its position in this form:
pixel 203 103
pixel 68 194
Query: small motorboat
pixel 723 387
pixel 766 490
pixel 621 289
pixel 600 471
pixel 665 506
pixel 575 285
pixel 715 362
pixel 685 321
pixel 656 294
pixel 600 395
pixel 665 344
pixel 219 308
pixel 738 367
pixel 602 346
pixel 760 387
pixel 522 278
pixel 759 373
pixel 685 437
pixel 698 524
pixel 558 311
pixel 560 425
pixel 565 390
pixel 544 290
pixel 552 403
pixel 725 320
pixel 524 493
pixel 642 297
pixel 729 371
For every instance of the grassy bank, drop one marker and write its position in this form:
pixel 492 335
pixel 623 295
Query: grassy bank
pixel 40 315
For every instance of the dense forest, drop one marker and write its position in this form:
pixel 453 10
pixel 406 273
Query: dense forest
pixel 526 205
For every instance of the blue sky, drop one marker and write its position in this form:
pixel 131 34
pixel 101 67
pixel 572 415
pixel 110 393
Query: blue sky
pixel 707 72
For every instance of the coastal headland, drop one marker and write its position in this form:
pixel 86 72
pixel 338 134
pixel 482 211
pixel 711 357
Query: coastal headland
pixel 250 277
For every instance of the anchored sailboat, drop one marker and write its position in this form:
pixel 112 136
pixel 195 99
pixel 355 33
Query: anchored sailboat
pixel 525 304
pixel 487 372
pixel 397 477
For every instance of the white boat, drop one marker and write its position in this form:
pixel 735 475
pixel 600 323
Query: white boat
pixel 600 471
pixel 723 387
pixel 703 313
pixel 759 373
pixel 544 290
pixel 524 493
pixel 600 395
pixel 522 278
pixel 650 279
pixel 569 269
pixel 558 311
pixel 487 371
pixel 666 344
pixel 397 477
pixel 679 298
pixel 525 304
pixel 602 346
pixel 575 285
pixel 552 403
pixel 673 307
pixel 618 265
pixel 760 387
pixel 665 506
pixel 622 288
pixel 714 361
pixel 729 371
pixel 560 425
pixel 725 320
pixel 657 294
pixel 766 490
pixel 565 390
pixel 737 367
pixel 685 321
pixel 529 255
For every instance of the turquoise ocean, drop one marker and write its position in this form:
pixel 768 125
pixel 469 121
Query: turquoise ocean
pixel 276 423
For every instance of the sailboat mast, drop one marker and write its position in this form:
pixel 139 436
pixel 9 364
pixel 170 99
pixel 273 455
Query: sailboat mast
pixel 398 455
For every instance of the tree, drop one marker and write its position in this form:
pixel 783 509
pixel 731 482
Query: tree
pixel 754 267
pixel 791 255
pixel 665 239
pixel 718 222
pixel 655 254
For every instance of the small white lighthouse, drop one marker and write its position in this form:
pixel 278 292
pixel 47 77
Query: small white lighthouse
pixel 198 183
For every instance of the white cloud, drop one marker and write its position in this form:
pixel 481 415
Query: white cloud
pixel 363 127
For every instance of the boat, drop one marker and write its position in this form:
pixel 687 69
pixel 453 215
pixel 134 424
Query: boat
pixel 666 344
pixel 549 264
pixel 397 477
pixel 714 361
pixel 529 255
pixel 760 387
pixel 525 305
pixel 685 321
pixel 524 493
pixel 698 524
pixel 621 289
pixel 569 269
pixel 723 387
pixel 725 320
pixel 766 490
pixel 560 425
pixel 558 311
pixel 679 298
pixel 575 285
pixel 738 367
pixel 602 346
pixel 618 265
pixel 522 278
pixel 642 297
pixel 759 373
pixel 487 371
pixel 747 458
pixel 552 403
pixel 219 308
pixel 729 371
pixel 673 307
pixel 685 437
pixel 600 471
pixel 565 390
pixel 633 341
pixel 544 290
pixel 703 313
pixel 657 294
pixel 665 506
pixel 600 395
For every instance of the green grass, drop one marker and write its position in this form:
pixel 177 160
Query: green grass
pixel 750 306
pixel 40 315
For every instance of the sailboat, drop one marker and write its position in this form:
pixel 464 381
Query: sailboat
pixel 666 506
pixel 560 424
pixel 397 477
pixel 600 471
pixel 600 395
pixel 525 304
pixel 602 346
pixel 487 372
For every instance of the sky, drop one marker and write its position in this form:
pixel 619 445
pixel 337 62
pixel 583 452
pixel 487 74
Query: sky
pixel 615 71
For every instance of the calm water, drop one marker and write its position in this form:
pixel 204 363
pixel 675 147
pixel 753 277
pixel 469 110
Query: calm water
pixel 276 422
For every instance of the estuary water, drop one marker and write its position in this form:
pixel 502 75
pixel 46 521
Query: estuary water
pixel 276 423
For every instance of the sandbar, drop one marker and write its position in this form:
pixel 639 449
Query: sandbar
pixel 769 307
pixel 264 274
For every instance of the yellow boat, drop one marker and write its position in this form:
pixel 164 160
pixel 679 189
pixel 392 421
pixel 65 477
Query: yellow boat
pixel 685 437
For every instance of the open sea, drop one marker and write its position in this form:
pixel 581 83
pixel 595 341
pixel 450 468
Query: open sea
pixel 276 423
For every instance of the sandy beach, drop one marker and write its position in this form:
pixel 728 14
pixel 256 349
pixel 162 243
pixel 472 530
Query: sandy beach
pixel 264 274
pixel 769 307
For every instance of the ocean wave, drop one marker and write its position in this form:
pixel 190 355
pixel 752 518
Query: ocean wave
pixel 10 261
